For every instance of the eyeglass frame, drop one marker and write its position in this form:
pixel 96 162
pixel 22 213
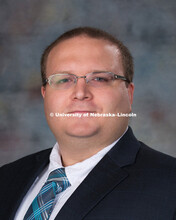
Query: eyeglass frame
pixel 85 76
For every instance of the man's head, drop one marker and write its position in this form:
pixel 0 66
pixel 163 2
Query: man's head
pixel 81 54
pixel 127 59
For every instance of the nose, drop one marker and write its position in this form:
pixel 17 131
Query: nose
pixel 81 90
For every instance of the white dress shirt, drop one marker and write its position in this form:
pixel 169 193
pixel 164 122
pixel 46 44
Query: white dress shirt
pixel 75 173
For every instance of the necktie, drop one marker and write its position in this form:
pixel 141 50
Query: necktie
pixel 44 202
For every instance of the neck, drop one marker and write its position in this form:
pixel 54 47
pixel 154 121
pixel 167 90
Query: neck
pixel 75 151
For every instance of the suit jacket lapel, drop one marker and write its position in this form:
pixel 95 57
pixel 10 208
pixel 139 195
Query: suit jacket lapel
pixel 102 179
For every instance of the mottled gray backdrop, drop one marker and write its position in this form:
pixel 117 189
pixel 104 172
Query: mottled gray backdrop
pixel 147 27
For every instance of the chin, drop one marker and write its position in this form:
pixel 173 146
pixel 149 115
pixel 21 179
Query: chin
pixel 76 127
pixel 82 131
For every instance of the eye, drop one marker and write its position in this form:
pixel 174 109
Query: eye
pixel 101 79
pixel 62 81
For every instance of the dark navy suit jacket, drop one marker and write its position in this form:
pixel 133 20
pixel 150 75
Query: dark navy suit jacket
pixel 131 182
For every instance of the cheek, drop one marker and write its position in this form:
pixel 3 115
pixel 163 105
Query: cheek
pixel 117 101
pixel 53 103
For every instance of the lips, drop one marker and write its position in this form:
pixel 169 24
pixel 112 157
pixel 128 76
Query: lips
pixel 82 108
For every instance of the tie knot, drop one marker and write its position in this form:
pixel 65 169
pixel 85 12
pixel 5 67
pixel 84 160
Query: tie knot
pixel 59 176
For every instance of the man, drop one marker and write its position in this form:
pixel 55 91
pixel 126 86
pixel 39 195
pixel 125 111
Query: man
pixel 97 169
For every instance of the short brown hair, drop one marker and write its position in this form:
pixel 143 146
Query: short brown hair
pixel 127 58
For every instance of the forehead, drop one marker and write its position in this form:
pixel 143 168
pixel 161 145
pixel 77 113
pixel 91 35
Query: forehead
pixel 83 49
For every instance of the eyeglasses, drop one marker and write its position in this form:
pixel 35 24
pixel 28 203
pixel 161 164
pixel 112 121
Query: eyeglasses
pixel 96 79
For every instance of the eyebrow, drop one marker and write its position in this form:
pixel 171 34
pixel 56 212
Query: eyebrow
pixel 72 72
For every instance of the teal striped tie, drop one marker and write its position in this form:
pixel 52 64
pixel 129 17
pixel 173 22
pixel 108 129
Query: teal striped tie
pixel 44 202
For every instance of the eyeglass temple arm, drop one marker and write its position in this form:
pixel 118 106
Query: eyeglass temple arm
pixel 45 82
pixel 122 77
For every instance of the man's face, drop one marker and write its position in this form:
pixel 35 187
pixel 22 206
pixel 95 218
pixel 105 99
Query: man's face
pixel 79 56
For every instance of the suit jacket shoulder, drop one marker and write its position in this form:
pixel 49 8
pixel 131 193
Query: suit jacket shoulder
pixel 153 160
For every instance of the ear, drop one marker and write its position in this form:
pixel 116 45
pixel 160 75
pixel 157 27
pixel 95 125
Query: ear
pixel 43 90
pixel 131 92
